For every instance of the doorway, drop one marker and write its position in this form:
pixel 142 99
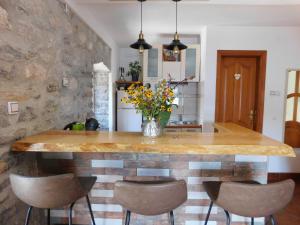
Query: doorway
pixel 240 88
pixel 292 110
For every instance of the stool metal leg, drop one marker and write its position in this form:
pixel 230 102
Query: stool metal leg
pixel 208 213
pixel 28 215
pixel 48 217
pixel 252 221
pixel 172 221
pixel 70 213
pixel 127 219
pixel 273 220
pixel 90 209
pixel 227 217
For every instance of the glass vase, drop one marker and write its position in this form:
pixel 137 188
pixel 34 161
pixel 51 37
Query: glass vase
pixel 152 128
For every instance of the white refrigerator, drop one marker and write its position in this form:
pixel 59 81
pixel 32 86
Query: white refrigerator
pixel 127 118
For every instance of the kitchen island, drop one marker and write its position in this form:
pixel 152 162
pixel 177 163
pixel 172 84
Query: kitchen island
pixel 231 153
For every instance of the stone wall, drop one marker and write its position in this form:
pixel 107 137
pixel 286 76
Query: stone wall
pixel 41 42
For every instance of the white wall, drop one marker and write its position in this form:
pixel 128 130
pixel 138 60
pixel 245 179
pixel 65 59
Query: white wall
pixel 283 46
pixel 83 11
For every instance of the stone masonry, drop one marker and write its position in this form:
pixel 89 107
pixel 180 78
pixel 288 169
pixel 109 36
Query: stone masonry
pixel 41 43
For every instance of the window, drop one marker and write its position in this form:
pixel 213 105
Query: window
pixel 292 115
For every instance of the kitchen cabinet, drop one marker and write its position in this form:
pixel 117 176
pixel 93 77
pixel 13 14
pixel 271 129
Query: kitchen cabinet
pixel 152 64
pixel 191 63
pixel 172 70
pixel 158 65
pixel 171 64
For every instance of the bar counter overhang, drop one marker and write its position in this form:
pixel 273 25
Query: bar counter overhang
pixel 232 153
pixel 230 139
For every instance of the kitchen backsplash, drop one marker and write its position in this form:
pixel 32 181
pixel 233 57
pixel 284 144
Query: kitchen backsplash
pixel 187 100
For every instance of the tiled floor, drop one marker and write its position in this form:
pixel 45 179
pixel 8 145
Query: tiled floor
pixel 291 215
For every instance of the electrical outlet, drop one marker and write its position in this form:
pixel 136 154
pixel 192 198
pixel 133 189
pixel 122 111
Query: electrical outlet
pixel 12 108
pixel 275 93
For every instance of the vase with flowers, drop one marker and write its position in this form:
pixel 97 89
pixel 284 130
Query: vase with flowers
pixel 156 106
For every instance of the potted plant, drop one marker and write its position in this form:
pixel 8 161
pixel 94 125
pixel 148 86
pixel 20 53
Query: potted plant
pixel 156 106
pixel 134 70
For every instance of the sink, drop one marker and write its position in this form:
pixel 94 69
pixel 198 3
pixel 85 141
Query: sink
pixel 182 122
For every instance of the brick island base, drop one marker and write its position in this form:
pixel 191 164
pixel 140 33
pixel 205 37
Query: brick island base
pixel 110 167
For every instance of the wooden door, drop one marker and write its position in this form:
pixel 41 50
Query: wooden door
pixel 292 117
pixel 237 91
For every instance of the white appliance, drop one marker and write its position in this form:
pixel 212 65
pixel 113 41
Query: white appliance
pixel 127 118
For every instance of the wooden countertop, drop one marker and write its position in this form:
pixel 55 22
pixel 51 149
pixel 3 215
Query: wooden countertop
pixel 230 140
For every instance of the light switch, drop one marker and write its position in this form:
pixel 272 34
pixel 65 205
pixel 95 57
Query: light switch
pixel 13 108
pixel 65 82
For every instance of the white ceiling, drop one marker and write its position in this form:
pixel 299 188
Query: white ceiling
pixel 121 18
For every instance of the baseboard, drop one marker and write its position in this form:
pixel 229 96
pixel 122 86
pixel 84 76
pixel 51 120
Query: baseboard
pixel 275 177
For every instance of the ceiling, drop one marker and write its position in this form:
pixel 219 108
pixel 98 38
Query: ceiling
pixel 121 18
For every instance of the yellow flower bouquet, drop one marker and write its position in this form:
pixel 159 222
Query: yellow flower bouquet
pixel 152 104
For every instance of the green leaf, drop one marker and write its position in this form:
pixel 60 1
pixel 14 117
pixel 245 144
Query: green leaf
pixel 164 118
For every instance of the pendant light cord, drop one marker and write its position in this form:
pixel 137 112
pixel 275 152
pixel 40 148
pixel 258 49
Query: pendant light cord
pixel 141 16
pixel 176 16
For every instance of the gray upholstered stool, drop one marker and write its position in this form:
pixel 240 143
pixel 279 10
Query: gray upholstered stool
pixel 52 192
pixel 249 199
pixel 150 198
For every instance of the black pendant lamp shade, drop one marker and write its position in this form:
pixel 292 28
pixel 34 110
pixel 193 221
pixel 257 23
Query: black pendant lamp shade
pixel 176 45
pixel 141 44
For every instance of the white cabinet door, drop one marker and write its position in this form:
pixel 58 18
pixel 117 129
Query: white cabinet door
pixel 191 63
pixel 172 70
pixel 154 68
pixel 152 64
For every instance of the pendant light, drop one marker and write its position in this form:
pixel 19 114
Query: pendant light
pixel 141 44
pixel 176 46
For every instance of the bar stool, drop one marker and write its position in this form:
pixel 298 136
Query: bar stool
pixel 249 199
pixel 150 198
pixel 52 192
